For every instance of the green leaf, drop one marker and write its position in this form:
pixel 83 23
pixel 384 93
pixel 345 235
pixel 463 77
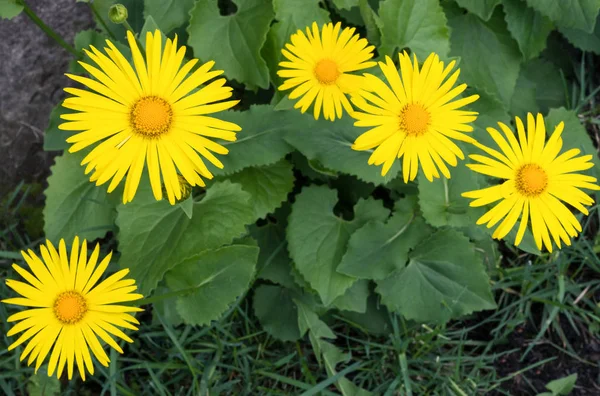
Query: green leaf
pixel 85 39
pixel 441 201
pixel 355 298
pixel 580 14
pixel 562 386
pixel 233 41
pixel 168 14
pixel 490 63
pixel 377 249
pixel 41 384
pixel 583 40
pixel 9 9
pixel 482 8
pixel 213 280
pixel 155 236
pixel 56 139
pixel 345 4
pixel 187 206
pixel 528 27
pixel 332 356
pixel 574 135
pixel 74 205
pixel 309 321
pixel 417 24
pixel 330 143
pixel 150 26
pixel 538 89
pixel 371 20
pixel 165 309
pixel 274 262
pixel 261 141
pixel 291 16
pixel 444 279
pixel 491 111
pixel 376 320
pixel 317 238
pixel 277 312
pixel 269 185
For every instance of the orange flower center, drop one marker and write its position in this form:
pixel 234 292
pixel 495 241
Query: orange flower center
pixel 151 116
pixel 70 307
pixel 415 119
pixel 327 71
pixel 531 180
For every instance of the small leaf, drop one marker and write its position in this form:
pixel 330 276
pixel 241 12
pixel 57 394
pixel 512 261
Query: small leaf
pixel 56 139
pixel 74 205
pixel 562 386
pixel 239 36
pixel 490 63
pixel 317 238
pixel 277 312
pixel 444 279
pixel 274 262
pixel 345 4
pixel 41 384
pixel 374 321
pixel 417 24
pixel 308 320
pixel 529 28
pixel 165 309
pixel 10 9
pixel 269 185
pixel 579 14
pixel 155 236
pixel 330 143
pixel 355 298
pixel 168 14
pixel 377 249
pixel 214 279
pixel 187 206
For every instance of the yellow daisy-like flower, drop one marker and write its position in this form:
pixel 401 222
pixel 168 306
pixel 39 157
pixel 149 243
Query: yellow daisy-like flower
pixel 537 178
pixel 414 116
pixel 151 113
pixel 319 66
pixel 69 309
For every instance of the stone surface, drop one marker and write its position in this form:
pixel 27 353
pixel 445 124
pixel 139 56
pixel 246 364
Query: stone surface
pixel 32 68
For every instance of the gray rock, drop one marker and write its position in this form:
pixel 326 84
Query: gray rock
pixel 32 68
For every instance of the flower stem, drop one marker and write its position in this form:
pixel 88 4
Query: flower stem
pixel 51 33
pixel 101 20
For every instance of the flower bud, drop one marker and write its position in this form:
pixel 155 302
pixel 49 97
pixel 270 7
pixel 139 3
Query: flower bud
pixel 117 13
pixel 184 187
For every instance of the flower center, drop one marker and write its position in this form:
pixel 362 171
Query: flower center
pixel 70 307
pixel 414 119
pixel 531 180
pixel 327 71
pixel 151 116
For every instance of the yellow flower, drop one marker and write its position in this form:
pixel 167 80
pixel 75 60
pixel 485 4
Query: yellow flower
pixel 69 309
pixel 537 180
pixel 414 117
pixel 319 67
pixel 151 112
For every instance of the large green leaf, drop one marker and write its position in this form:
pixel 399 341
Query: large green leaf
pixel 482 8
pixel 539 88
pixel 417 24
pixel 528 27
pixel 212 281
pixel 441 201
pixel 330 143
pixel 444 279
pixel 579 14
pixel 377 249
pixel 583 40
pixel 317 238
pixel 574 135
pixel 74 205
pixel 155 236
pixel 276 311
pixel 261 141
pixel 10 9
pixel 291 16
pixel 490 63
pixel 269 185
pixel 168 14
pixel 233 41
pixel 274 262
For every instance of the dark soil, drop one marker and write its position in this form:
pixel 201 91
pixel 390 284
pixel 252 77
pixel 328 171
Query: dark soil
pixel 32 68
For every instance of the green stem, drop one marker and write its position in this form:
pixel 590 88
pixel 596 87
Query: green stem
pixel 51 33
pixel 127 26
pixel 101 20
